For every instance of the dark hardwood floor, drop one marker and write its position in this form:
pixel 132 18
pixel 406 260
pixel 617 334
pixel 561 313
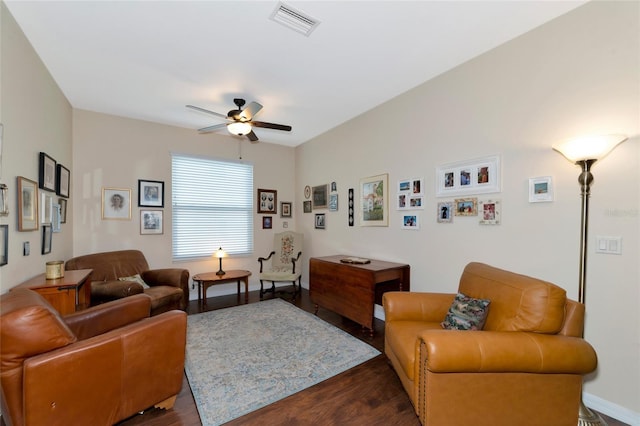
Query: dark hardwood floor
pixel 369 394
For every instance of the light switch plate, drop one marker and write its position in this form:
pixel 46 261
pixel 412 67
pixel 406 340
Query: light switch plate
pixel 609 245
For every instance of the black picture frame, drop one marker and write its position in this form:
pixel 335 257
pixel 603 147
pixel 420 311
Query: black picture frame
pixel 63 210
pixel 267 201
pixel 150 193
pixel 46 239
pixel 4 244
pixel 47 174
pixel 63 179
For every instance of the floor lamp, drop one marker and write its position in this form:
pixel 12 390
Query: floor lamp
pixel 584 152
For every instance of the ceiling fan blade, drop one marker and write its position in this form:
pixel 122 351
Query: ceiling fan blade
pixel 252 109
pixel 271 126
pixel 206 111
pixel 252 136
pixel 212 128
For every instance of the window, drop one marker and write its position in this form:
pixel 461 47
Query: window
pixel 212 204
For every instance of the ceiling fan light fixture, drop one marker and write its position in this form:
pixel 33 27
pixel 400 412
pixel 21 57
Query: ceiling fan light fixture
pixel 239 128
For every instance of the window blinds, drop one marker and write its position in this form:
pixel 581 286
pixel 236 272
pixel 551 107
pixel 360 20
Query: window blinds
pixel 212 204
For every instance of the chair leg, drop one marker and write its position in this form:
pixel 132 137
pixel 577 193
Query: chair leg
pixel 261 290
pixel 167 404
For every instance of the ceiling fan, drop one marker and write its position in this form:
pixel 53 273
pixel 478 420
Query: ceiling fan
pixel 241 120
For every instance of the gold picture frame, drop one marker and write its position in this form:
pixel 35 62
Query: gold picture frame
pixel 27 204
pixel 116 204
pixel 374 196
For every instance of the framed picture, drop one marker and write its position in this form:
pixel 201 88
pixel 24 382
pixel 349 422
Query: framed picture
pixel 4 244
pixel 267 201
pixel 46 207
pixel 116 203
pixel 267 222
pixel 150 193
pixel 320 221
pixel 320 197
pixel 445 212
pixel 466 207
pixel 306 206
pixel 490 212
pixel 27 204
pixel 478 176
pixel 151 222
pixel 55 218
pixel 63 210
pixel 334 187
pixel 47 173
pixel 540 189
pixel 373 201
pixel 285 209
pixel 4 206
pixel 63 177
pixel 46 239
pixel 333 202
pixel 307 192
pixel 410 221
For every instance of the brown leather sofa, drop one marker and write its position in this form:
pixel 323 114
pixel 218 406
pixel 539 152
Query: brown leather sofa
pixel 168 288
pixel 525 367
pixel 93 367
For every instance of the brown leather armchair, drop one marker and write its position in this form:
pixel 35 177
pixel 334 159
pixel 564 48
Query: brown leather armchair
pixel 168 288
pixel 525 367
pixel 93 367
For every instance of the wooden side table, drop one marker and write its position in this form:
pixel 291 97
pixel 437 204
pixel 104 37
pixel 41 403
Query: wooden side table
pixel 207 279
pixel 68 294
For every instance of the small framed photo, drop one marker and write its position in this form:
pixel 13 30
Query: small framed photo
pixel 27 205
pixel 334 187
pixel 63 177
pixel 285 209
pixel 374 195
pixel 151 222
pixel 466 207
pixel 267 201
pixel 333 202
pixel 540 189
pixel 410 221
pixel 46 239
pixel 63 210
pixel 46 207
pixel 306 207
pixel 4 244
pixel 445 212
pixel 150 193
pixel 320 221
pixel 320 196
pixel 267 222
pixel 47 179
pixel 490 212
pixel 116 203
pixel 55 218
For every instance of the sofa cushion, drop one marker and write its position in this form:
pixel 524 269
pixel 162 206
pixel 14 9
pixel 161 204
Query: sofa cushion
pixel 164 295
pixel 518 302
pixel 402 339
pixel 466 313
pixel 135 278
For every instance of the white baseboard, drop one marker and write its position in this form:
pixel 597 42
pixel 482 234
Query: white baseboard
pixel 610 409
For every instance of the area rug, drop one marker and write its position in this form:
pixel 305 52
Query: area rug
pixel 243 358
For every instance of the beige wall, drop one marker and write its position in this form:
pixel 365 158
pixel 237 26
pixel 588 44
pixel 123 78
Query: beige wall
pixel 36 117
pixel 115 152
pixel 576 75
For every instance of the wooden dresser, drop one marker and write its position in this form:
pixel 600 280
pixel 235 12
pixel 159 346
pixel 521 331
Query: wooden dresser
pixel 352 290
pixel 68 294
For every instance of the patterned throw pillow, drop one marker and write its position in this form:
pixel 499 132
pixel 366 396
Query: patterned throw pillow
pixel 135 278
pixel 466 313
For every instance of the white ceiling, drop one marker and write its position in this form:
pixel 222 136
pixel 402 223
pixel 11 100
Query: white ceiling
pixel 148 59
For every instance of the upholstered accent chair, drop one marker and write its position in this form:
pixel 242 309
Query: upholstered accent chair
pixel 284 265
pixel 94 367
pixel 524 367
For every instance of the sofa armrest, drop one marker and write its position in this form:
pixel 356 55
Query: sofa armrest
pixel 108 316
pixel 409 306
pixel 449 351
pixel 174 277
pixel 140 364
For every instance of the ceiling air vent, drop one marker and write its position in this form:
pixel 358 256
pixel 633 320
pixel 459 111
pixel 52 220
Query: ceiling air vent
pixel 294 19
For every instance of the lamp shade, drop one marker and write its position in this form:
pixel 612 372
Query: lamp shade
pixel 239 128
pixel 593 147
pixel 220 253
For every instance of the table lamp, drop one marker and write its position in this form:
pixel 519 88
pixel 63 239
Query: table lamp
pixel 220 254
